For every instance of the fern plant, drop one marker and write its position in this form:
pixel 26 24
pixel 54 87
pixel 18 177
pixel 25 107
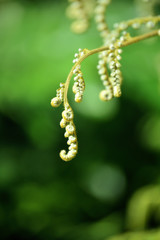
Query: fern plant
pixel 109 67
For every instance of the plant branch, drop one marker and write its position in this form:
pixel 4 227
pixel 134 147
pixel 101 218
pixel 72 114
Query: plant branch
pixel 105 48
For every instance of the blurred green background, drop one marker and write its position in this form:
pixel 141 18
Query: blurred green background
pixel 113 184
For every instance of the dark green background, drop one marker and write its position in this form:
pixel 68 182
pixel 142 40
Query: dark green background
pixel 42 197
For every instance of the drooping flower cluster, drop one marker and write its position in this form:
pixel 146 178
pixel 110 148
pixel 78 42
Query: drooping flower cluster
pixel 67 115
pixel 107 93
pixel 108 63
pixel 79 84
pixel 78 12
pixel 70 133
pixel 100 11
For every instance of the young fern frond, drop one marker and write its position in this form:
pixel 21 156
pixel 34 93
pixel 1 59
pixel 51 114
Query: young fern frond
pixel 108 68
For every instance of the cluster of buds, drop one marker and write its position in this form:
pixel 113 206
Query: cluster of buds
pixel 114 40
pixel 100 17
pixel 107 93
pixel 70 133
pixel 77 11
pixel 114 65
pixel 56 101
pixel 79 84
pixel 67 115
pixel 112 82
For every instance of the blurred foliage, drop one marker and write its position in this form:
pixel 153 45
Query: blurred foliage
pixel 148 235
pixel 42 197
pixel 147 202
